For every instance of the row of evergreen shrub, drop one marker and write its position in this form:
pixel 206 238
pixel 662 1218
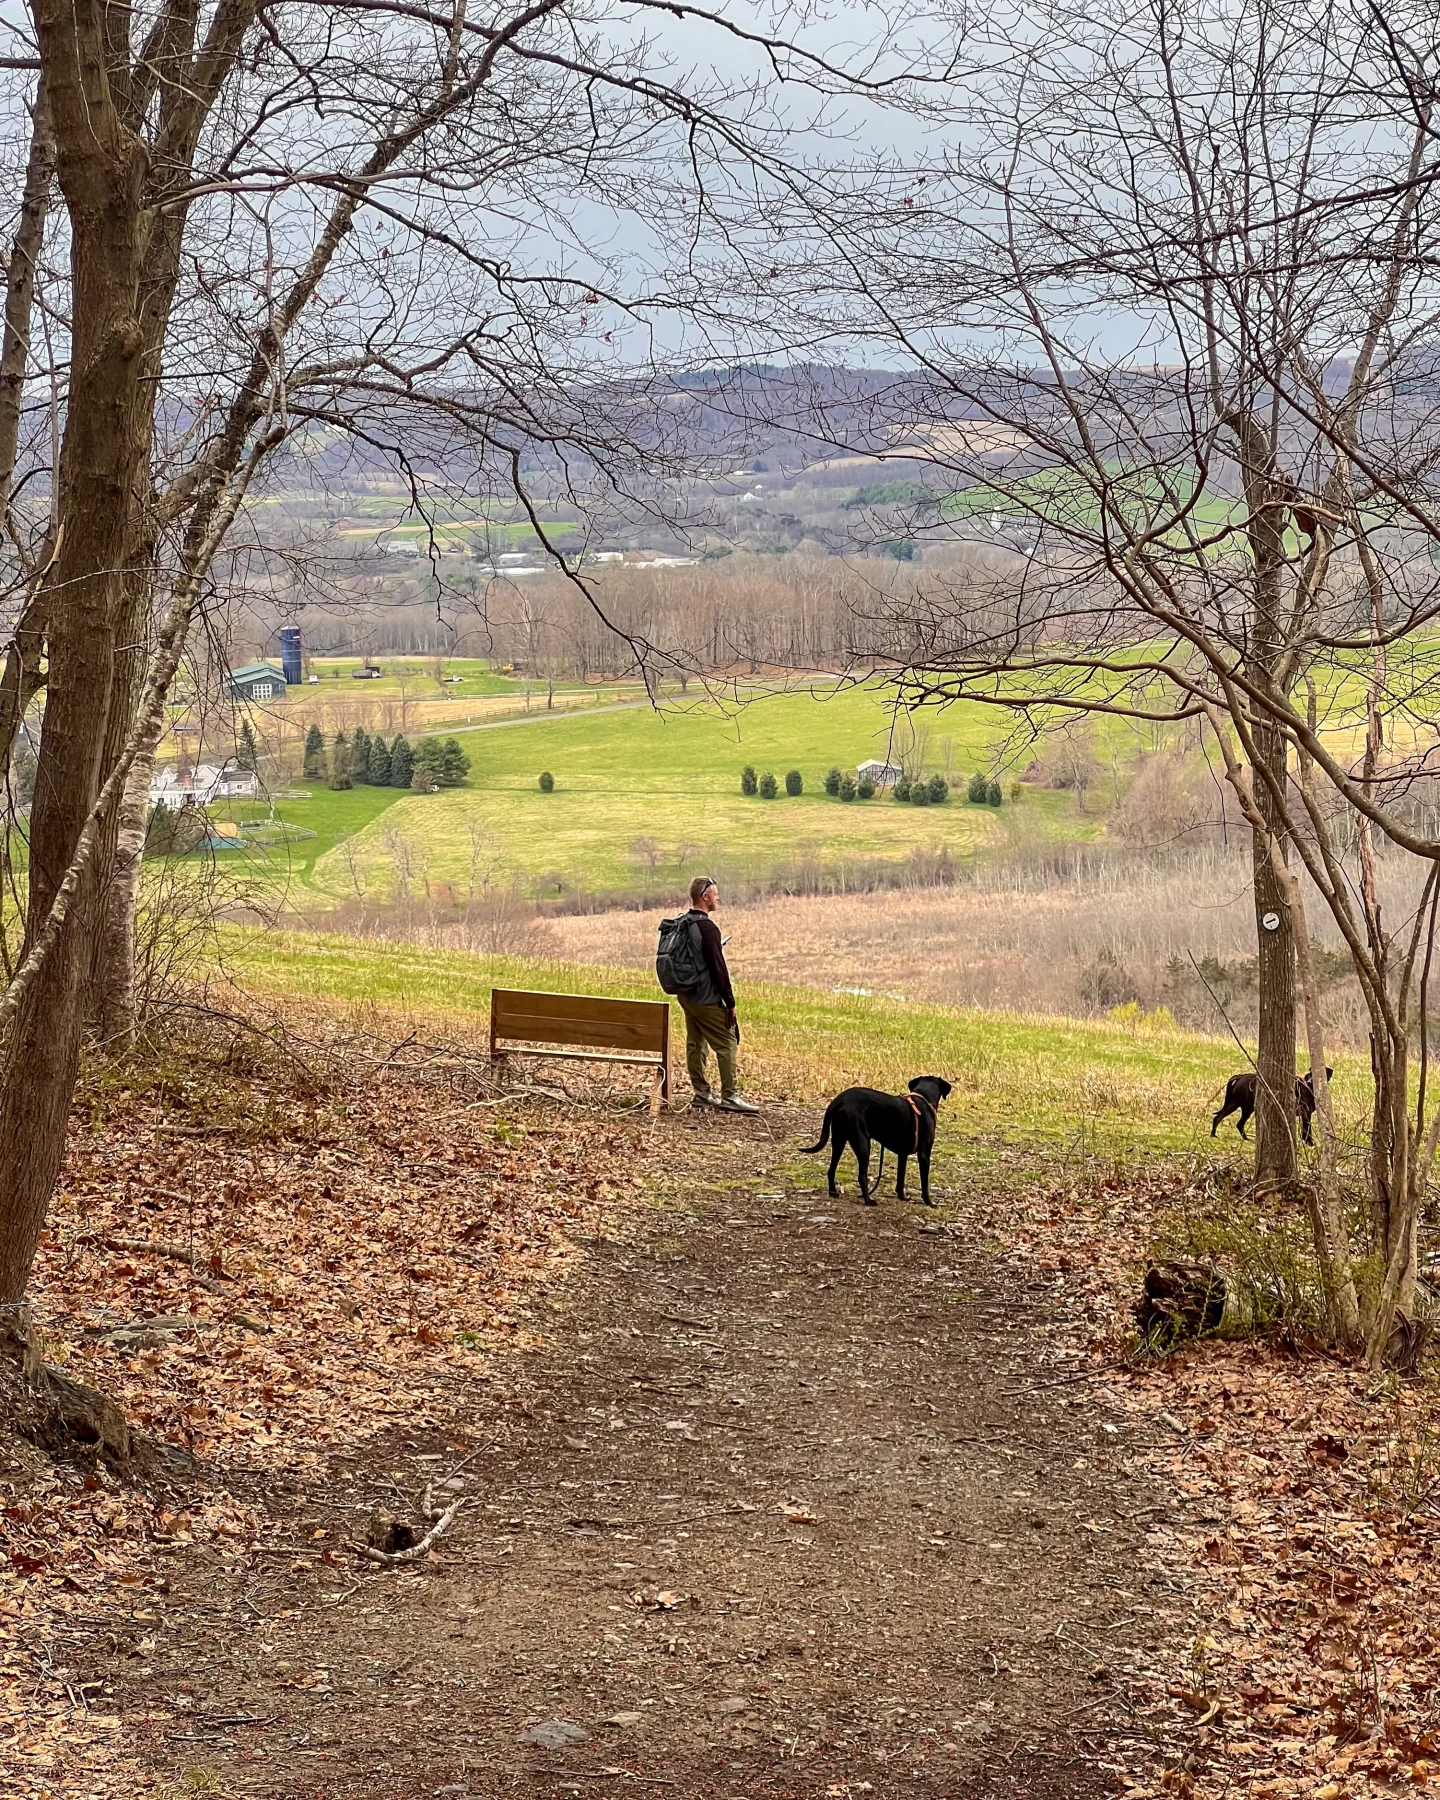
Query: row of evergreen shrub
pixel 767 787
pixel 839 785
pixel 371 762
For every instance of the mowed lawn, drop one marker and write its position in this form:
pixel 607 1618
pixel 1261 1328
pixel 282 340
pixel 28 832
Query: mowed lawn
pixel 639 786
pixel 1093 1085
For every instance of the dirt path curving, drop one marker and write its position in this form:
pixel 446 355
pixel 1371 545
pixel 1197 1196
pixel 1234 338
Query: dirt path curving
pixel 786 1507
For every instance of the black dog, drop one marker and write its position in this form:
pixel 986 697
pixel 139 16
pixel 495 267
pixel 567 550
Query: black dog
pixel 903 1123
pixel 1240 1093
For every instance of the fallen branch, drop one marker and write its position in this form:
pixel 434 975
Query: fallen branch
pixel 173 1251
pixel 390 1559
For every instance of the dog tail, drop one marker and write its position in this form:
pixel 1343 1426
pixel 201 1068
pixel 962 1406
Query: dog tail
pixel 810 1149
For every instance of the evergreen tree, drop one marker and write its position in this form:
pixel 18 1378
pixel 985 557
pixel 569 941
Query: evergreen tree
pixel 978 792
pixel 794 783
pixel 430 755
pixel 749 784
pixel 315 753
pixel 340 776
pixel 939 790
pixel 377 768
pixel 864 788
pixel 902 788
pixel 919 792
pixel 848 789
pixel 454 764
pixel 547 783
pixel 402 764
pixel 832 783
pixel 360 754
pixel 769 786
pixel 246 756
pixel 994 797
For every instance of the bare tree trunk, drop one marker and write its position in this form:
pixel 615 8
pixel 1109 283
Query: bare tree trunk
pixel 1275 952
pixel 115 983
pixel 101 168
pixel 111 1005
pixel 1327 1218
pixel 20 287
pixel 22 679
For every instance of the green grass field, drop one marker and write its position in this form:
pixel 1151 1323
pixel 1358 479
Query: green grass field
pixel 674 777
pixel 1029 1081
pixel 413 676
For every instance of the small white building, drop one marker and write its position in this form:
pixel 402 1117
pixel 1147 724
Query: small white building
pixel 205 784
pixel 883 774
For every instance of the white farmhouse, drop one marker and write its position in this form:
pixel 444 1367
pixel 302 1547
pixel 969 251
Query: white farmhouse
pixel 205 784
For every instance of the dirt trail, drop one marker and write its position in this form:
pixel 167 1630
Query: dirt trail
pixel 787 1506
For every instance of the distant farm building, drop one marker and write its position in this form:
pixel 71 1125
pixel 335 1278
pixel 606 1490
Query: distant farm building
pixel 257 681
pixel 202 786
pixel 883 774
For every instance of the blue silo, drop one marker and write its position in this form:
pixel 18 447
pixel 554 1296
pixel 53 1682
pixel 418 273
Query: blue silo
pixel 291 655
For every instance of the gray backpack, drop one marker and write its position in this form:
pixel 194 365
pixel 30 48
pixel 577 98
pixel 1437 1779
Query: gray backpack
pixel 679 959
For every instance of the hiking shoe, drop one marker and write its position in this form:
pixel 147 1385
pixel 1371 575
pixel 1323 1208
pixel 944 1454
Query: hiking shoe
pixel 704 1100
pixel 738 1103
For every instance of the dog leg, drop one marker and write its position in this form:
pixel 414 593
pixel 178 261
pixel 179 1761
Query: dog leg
pixel 862 1158
pixel 837 1148
pixel 901 1163
pixel 924 1160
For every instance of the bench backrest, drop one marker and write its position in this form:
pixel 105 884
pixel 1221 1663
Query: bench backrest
pixel 638 1026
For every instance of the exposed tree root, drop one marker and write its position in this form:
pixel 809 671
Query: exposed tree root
pixel 60 1415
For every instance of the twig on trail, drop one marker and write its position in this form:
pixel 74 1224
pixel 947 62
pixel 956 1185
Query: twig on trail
pixel 1062 1381
pixel 391 1559
pixel 680 1319
pixel 602 1774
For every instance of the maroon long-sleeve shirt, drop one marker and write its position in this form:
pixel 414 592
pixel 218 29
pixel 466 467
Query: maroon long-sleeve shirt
pixel 714 949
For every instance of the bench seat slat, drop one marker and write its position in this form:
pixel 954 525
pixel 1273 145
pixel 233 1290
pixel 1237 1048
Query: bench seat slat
pixel 580 1019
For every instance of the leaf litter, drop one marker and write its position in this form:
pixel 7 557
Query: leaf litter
pixel 352 1248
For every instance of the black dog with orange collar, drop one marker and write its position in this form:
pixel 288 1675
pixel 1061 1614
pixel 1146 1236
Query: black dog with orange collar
pixel 901 1123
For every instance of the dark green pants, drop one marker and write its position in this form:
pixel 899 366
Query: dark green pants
pixel 709 1027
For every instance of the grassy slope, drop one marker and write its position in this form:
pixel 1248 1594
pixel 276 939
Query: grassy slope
pixel 675 777
pixel 1094 1086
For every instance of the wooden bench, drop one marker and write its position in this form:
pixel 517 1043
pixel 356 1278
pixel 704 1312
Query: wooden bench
pixel 623 1031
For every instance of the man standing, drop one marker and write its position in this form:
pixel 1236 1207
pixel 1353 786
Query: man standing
pixel 710 1009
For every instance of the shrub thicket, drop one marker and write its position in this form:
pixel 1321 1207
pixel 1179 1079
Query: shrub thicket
pixel 547 783
pixel 769 786
pixel 832 782
pixel 749 784
pixel 794 783
pixel 423 779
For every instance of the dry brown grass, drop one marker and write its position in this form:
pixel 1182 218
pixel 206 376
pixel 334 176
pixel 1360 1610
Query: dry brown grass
pixel 1020 937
